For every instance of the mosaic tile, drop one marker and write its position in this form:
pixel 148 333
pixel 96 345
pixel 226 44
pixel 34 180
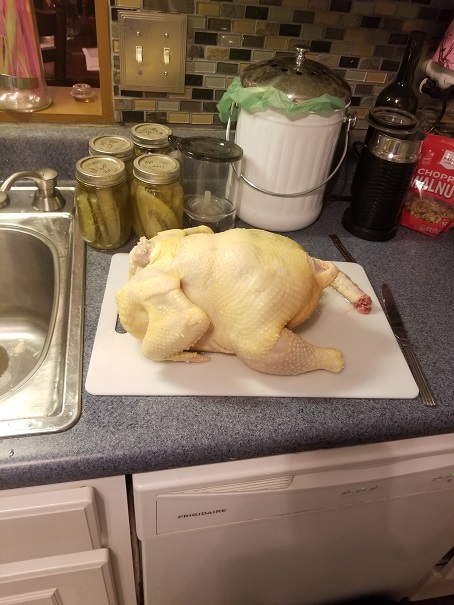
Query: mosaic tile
pixel 385 8
pixel 333 33
pixel 276 43
pixel 341 5
pixel 233 11
pixel 313 32
pixel 350 62
pixel 262 55
pixel 202 118
pixel 191 106
pixel 217 53
pixel 202 94
pixel 219 24
pixel 196 51
pixel 376 77
pixel 206 67
pixel 178 118
pixel 283 15
pixel 230 39
pixel 361 40
pixel 215 82
pixel 167 105
pixel 266 28
pixel 144 104
pixel 239 54
pixel 253 41
pixel 205 8
pixel 303 16
pixel 227 68
pixel 245 27
pixel 196 22
pixel 256 12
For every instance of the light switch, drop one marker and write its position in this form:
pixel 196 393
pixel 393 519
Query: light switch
pixel 152 51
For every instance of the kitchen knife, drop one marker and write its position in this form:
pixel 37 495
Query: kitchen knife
pixel 397 325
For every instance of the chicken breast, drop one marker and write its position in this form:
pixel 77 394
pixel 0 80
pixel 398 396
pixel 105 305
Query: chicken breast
pixel 239 292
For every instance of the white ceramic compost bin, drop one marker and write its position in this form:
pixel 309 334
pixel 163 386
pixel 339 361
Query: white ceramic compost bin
pixel 288 158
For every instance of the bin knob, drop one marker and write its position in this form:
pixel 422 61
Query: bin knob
pixel 300 54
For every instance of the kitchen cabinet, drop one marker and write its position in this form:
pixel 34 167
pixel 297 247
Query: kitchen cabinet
pixel 67 543
pixel 63 580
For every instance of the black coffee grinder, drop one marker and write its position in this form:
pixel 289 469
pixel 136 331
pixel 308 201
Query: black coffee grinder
pixel 388 158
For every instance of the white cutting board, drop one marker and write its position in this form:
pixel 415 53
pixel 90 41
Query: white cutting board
pixel 374 364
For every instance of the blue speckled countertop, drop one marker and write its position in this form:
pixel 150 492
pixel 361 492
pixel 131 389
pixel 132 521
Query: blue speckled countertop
pixel 122 435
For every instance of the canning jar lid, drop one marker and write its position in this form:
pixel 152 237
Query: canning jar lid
pixel 100 170
pixel 117 146
pixel 156 169
pixel 208 149
pixel 297 77
pixel 150 135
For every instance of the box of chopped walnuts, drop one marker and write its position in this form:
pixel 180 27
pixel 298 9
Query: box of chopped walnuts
pixel 429 201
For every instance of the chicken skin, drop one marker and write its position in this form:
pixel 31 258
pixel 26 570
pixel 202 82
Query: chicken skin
pixel 239 292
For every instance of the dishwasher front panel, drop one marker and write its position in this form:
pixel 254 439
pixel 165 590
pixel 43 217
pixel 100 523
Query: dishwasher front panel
pixel 219 536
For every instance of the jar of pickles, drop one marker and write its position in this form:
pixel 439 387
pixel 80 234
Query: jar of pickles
pixel 151 138
pixel 157 195
pixel 102 201
pixel 117 147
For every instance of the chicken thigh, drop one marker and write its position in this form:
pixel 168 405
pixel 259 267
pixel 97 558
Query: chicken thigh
pixel 240 292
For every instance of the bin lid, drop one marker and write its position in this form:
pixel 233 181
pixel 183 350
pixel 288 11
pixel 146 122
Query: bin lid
pixel 297 77
pixel 208 149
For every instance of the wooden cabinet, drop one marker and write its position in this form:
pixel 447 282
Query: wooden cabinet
pixel 66 544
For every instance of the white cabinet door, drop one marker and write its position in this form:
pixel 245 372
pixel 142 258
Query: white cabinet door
pixel 62 519
pixel 83 578
pixel 46 524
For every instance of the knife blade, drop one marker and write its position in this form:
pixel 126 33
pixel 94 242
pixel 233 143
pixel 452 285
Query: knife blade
pixel 398 328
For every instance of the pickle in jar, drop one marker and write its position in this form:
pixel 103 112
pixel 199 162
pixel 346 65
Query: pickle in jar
pixel 87 223
pixel 152 212
pixel 102 201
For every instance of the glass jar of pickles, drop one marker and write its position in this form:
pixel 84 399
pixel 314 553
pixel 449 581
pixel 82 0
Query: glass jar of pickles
pixel 157 195
pixel 116 147
pixel 151 138
pixel 102 201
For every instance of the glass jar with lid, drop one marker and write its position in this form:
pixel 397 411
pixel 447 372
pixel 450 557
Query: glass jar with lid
pixel 102 201
pixel 157 195
pixel 114 146
pixel 151 138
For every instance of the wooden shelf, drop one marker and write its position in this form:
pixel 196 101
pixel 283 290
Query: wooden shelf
pixel 63 109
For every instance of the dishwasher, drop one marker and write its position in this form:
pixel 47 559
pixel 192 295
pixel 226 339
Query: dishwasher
pixel 311 528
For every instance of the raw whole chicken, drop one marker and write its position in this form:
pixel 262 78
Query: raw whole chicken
pixel 240 292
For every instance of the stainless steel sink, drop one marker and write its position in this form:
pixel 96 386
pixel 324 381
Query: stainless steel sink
pixel 42 271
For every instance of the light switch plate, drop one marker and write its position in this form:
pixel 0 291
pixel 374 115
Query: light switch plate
pixel 152 51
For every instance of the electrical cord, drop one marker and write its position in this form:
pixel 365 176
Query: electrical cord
pixel 429 87
pixel 440 115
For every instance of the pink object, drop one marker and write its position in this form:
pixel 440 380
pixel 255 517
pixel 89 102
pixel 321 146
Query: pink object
pixel 444 55
pixel 22 84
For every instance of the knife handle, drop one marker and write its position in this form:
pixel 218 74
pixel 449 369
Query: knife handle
pixel 427 396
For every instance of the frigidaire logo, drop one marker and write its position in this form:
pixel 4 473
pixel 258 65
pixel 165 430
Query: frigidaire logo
pixel 203 513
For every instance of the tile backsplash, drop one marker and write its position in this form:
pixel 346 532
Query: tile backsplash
pixel 361 40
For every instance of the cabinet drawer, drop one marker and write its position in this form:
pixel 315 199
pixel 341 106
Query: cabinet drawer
pixel 75 579
pixel 50 523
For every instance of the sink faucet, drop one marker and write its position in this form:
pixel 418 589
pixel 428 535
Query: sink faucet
pixel 47 197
